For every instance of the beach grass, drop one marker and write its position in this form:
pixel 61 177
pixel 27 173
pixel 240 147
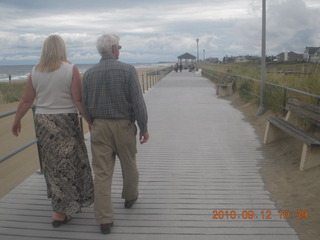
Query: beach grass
pixel 304 77
pixel 11 92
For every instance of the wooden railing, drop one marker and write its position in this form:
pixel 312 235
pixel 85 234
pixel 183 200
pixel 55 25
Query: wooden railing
pixel 282 93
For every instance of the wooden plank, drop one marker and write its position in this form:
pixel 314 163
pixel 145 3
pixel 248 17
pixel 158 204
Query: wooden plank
pixel 88 231
pixel 27 224
pixel 303 105
pixel 304 111
pixel 176 237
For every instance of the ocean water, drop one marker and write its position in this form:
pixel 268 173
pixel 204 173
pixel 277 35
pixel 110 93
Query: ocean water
pixel 21 72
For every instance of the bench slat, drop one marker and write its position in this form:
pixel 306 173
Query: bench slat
pixel 309 107
pixel 294 131
pixel 310 111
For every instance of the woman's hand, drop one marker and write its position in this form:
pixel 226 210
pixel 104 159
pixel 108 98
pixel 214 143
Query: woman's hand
pixel 24 105
pixel 16 127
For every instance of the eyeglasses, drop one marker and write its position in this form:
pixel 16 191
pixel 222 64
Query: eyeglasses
pixel 118 46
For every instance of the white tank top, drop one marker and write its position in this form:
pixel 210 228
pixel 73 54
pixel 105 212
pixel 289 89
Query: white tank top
pixel 53 90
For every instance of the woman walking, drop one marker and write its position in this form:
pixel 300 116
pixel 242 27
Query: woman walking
pixel 55 84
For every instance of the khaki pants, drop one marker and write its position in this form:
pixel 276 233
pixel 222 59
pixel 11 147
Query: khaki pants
pixel 111 138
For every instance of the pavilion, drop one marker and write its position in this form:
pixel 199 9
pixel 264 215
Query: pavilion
pixel 188 58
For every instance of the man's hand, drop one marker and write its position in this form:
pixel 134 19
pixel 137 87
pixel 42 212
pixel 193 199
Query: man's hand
pixel 144 137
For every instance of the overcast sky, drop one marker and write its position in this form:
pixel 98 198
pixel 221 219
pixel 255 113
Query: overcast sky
pixel 156 30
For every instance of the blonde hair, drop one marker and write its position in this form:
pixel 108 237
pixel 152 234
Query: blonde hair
pixel 53 54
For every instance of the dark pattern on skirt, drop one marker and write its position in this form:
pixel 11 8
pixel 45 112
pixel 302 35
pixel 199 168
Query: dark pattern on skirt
pixel 65 162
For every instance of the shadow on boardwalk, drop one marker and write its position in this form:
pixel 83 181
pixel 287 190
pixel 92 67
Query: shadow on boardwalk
pixel 201 158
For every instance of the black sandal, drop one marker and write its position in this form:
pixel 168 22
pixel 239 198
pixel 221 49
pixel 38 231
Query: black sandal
pixel 58 223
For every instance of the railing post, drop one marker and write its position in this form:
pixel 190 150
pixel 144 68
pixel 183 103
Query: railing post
pixel 147 81
pixel 143 83
pixel 33 107
pixel 284 100
pixel 158 77
pixel 153 78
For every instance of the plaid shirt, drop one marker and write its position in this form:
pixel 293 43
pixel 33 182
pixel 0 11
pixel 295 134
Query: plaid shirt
pixel 111 90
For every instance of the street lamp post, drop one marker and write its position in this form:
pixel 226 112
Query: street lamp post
pixel 197 49
pixel 204 53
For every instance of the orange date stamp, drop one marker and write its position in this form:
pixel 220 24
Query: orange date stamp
pixel 258 214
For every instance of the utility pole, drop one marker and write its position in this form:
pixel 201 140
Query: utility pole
pixel 261 109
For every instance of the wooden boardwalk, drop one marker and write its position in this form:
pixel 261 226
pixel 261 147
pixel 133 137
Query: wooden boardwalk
pixel 201 157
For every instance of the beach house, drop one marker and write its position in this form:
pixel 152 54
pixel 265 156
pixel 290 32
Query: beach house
pixel 311 54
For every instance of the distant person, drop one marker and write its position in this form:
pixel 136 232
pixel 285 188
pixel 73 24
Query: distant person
pixel 176 67
pixel 55 84
pixel 113 100
pixel 180 67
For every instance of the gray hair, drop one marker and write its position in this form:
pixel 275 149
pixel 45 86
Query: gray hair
pixel 105 43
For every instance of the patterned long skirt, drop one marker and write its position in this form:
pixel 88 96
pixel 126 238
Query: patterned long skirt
pixel 65 162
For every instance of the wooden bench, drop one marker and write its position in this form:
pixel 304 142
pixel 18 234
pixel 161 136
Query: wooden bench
pixel 225 89
pixel 278 128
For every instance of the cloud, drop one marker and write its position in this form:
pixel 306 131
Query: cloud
pixel 291 26
pixel 158 31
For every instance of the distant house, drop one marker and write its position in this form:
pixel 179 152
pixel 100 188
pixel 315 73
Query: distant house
pixel 212 60
pixel 311 54
pixel 253 58
pixel 238 59
pixel 316 57
pixel 241 59
pixel 289 57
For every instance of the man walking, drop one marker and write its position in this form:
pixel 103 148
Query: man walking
pixel 113 100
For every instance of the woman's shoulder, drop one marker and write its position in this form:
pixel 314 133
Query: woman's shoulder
pixel 67 64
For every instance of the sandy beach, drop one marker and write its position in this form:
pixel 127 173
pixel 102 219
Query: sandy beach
pixel 19 167
pixel 291 189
